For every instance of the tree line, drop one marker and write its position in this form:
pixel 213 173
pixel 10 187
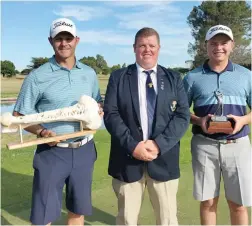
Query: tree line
pixel 98 63
pixel 234 14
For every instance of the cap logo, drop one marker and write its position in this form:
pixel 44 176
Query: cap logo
pixel 62 23
pixel 218 28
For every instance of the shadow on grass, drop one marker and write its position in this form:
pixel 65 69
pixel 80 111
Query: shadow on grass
pixel 16 202
pixel 101 216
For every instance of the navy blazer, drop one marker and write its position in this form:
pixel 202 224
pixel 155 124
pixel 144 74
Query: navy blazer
pixel 122 120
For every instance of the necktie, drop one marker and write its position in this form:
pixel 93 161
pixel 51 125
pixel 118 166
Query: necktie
pixel 151 100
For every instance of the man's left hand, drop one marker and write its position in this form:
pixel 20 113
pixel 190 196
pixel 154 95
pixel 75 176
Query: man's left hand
pixel 239 122
pixel 152 147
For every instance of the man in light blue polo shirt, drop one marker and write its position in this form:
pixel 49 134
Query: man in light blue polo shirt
pixel 57 84
pixel 219 80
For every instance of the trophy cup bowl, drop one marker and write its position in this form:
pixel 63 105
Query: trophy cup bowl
pixel 220 124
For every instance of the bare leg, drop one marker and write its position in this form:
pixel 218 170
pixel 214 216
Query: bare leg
pixel 75 219
pixel 238 214
pixel 208 211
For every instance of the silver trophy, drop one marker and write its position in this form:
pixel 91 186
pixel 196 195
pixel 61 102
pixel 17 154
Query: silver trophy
pixel 218 115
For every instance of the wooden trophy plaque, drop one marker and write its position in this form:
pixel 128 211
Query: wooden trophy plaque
pixel 220 124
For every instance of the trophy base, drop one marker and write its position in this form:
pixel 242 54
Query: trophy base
pixel 220 125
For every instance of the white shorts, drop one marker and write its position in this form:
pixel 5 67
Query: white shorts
pixel 210 160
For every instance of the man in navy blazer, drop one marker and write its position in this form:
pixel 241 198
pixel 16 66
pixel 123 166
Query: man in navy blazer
pixel 146 112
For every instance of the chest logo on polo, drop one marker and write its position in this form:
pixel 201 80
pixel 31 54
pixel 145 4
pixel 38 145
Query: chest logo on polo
pixel 174 105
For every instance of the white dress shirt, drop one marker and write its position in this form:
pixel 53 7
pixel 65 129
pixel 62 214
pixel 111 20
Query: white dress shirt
pixel 142 77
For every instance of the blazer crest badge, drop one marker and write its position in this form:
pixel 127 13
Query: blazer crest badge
pixel 174 105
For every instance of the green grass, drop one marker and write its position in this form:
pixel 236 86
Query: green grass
pixel 10 87
pixel 103 85
pixel 8 95
pixel 17 185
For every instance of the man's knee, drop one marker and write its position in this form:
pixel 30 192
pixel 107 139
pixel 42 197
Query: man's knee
pixel 75 219
pixel 210 204
pixel 74 215
pixel 236 207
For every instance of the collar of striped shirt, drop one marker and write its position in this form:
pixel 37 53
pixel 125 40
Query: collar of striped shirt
pixel 55 66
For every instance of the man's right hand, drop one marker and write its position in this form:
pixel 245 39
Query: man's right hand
pixel 49 133
pixel 203 123
pixel 142 153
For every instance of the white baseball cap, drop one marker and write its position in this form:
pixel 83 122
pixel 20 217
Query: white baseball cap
pixel 219 29
pixel 60 25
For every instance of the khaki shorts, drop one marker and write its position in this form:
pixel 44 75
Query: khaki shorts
pixel 211 159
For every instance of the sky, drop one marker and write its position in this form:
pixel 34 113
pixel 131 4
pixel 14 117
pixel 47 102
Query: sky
pixel 107 28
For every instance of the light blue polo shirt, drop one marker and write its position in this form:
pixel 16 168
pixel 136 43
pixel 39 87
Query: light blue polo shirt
pixel 52 86
pixel 235 85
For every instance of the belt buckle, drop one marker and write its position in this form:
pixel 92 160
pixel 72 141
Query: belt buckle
pixel 223 141
pixel 74 145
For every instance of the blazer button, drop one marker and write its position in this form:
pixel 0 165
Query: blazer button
pixel 140 129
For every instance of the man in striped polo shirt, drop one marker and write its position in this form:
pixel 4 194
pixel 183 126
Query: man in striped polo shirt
pixel 219 154
pixel 57 84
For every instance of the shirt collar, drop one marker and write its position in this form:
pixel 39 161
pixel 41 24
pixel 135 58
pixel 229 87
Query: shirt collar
pixel 206 68
pixel 55 66
pixel 140 69
pixel 77 64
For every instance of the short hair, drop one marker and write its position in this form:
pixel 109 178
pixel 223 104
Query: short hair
pixel 146 32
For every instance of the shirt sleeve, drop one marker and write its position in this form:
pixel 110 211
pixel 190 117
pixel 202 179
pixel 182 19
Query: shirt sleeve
pixel 188 89
pixel 28 96
pixel 96 90
pixel 249 96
